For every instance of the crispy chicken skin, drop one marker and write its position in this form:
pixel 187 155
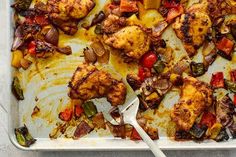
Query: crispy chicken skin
pixel 192 27
pixel 131 39
pixel 218 8
pixel 113 23
pixel 88 82
pixel 66 13
pixel 196 96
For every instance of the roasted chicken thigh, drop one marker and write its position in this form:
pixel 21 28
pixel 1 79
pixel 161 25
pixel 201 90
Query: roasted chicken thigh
pixel 88 82
pixel 131 39
pixel 196 96
pixel 67 13
pixel 192 27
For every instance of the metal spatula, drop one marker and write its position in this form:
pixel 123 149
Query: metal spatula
pixel 129 117
pixel 129 111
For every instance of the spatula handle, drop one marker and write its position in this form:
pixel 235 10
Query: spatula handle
pixel 153 147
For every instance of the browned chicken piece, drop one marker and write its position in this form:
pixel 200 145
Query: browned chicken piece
pixel 88 83
pixel 218 8
pixel 113 23
pixel 196 96
pixel 192 27
pixel 66 13
pixel 131 39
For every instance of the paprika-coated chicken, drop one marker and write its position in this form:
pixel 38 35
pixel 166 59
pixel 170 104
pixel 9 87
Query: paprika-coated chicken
pixel 67 13
pixel 131 39
pixel 196 96
pixel 88 82
pixel 192 27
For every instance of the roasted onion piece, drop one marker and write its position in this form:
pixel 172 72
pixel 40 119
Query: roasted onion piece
pixel 52 36
pixel 89 55
pixel 225 111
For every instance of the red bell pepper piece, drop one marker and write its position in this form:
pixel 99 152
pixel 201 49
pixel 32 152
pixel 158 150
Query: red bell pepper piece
pixel 128 6
pixel 235 99
pixel 135 135
pixel 233 75
pixel 32 47
pixel 217 80
pixel 225 45
pixel 171 4
pixel 174 12
pixel 66 115
pixel 29 21
pixel 143 73
pixel 78 110
pixel 208 119
pixel 41 20
pixel 148 59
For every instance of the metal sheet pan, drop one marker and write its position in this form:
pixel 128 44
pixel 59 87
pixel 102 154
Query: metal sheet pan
pixel 19 112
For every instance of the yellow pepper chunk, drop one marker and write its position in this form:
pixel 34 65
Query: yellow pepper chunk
pixel 151 4
pixel 152 96
pixel 16 58
pixel 214 130
pixel 173 77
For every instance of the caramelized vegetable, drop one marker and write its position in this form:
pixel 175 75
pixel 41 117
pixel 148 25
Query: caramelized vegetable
pixel 135 135
pixel 98 29
pixel 36 110
pixel 98 18
pixel 116 2
pixel 217 80
pixel 98 48
pixel 133 81
pixel 66 115
pixel 198 131
pixel 222 136
pixel 235 99
pixel 176 79
pixel 89 55
pixel 41 20
pixel 22 4
pixel 25 63
pixel 150 4
pixel 171 3
pixel 52 36
pixel 230 85
pixel 17 56
pixel 82 129
pixel 117 130
pixel 16 89
pixel 128 6
pixel 233 75
pixel 233 31
pixel 214 131
pixel 153 133
pixel 99 121
pixel 32 48
pixel 174 12
pixel 182 135
pixel 208 119
pixel 210 58
pixel 143 73
pixel 225 111
pixel 197 69
pixel 159 28
pixel 89 109
pixel 23 136
pixel 159 66
pixel 78 110
pixel 225 45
